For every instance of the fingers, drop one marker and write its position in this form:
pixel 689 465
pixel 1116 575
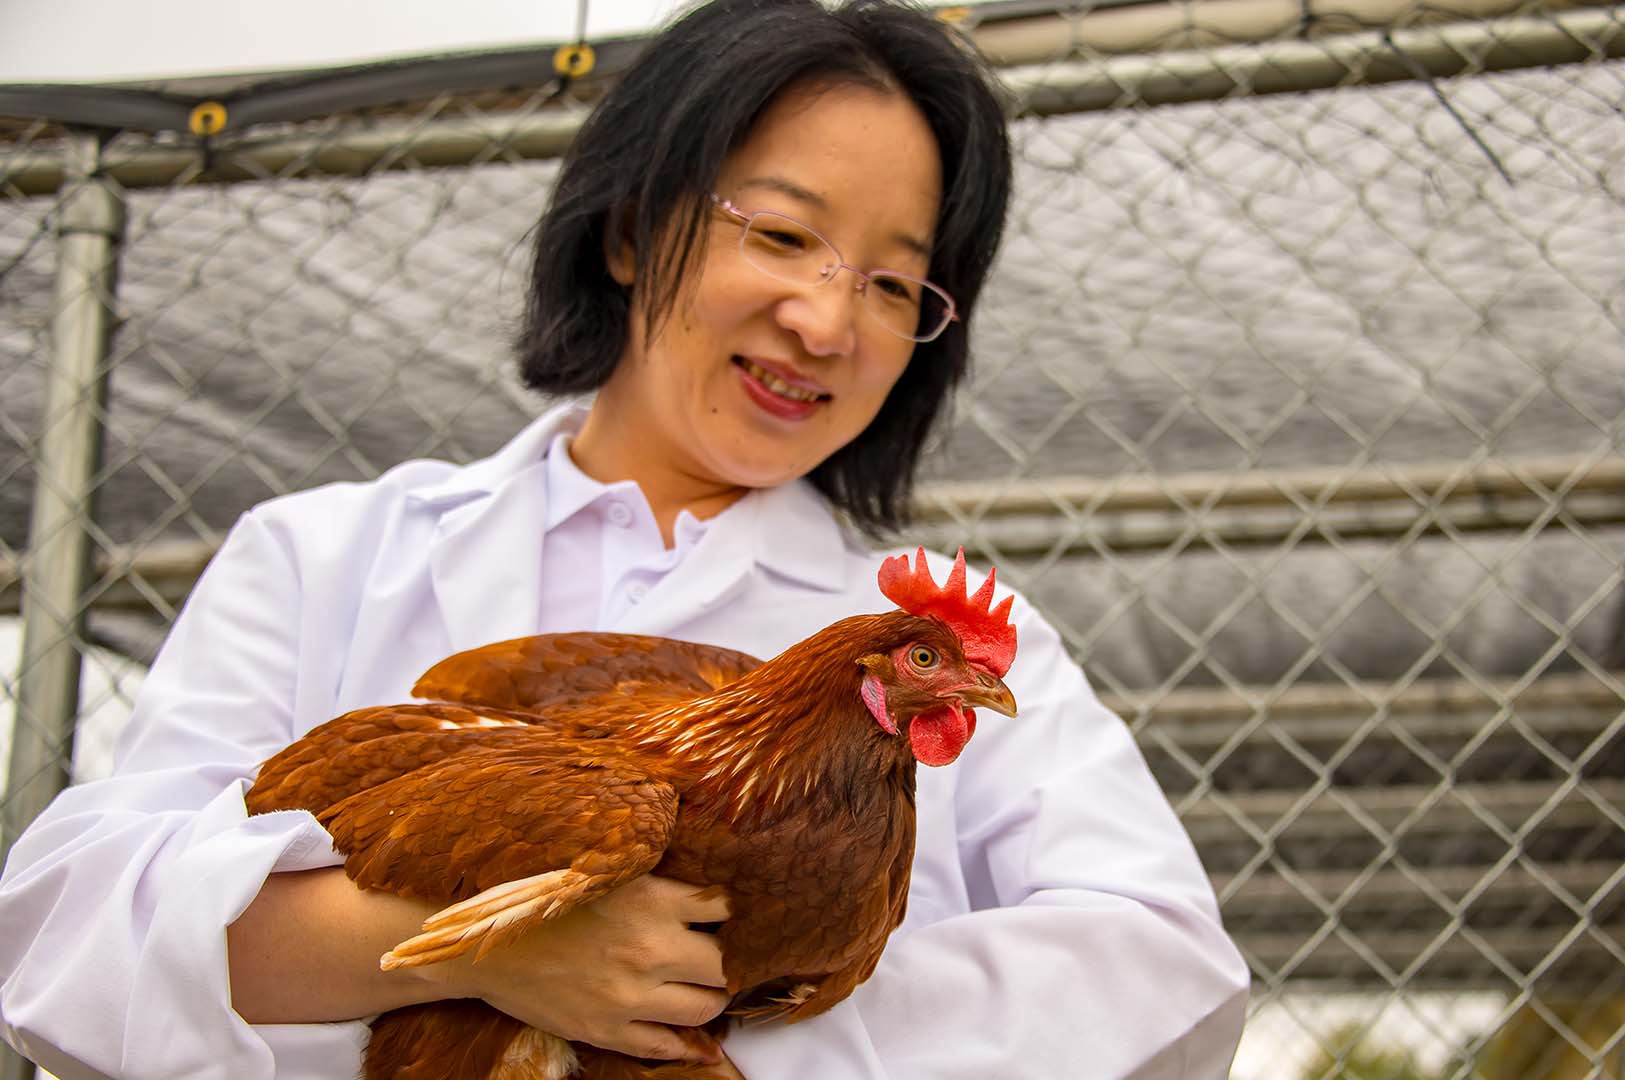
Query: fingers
pixel 689 903
pixel 689 956
pixel 695 958
pixel 661 1043
pixel 683 1005
pixel 707 905
pixel 617 971
pixel 672 954
pixel 649 1036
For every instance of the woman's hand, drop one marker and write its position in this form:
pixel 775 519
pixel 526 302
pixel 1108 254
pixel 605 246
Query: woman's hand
pixel 613 973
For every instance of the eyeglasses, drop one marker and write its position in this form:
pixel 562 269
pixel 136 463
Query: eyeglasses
pixel 783 248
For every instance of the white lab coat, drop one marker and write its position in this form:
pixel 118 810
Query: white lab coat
pixel 1059 924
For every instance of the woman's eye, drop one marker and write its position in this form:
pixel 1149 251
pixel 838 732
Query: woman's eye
pixel 784 239
pixel 894 289
pixel 923 657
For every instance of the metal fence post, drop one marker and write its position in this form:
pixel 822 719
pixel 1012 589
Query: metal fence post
pixel 90 233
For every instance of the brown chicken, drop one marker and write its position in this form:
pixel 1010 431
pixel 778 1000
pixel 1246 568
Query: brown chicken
pixel 550 770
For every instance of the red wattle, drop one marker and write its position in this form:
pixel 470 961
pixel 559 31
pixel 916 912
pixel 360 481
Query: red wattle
pixel 938 737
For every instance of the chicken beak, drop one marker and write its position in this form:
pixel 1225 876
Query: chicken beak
pixel 989 692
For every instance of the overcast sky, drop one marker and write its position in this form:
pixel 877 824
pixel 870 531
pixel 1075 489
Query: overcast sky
pixel 127 40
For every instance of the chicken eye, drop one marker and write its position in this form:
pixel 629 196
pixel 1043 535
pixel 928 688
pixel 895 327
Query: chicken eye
pixel 922 657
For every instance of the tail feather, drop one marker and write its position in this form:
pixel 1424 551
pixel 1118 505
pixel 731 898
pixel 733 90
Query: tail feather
pixel 493 917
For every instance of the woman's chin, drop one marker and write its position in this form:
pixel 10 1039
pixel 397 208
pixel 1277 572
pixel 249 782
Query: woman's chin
pixel 759 469
pixel 757 477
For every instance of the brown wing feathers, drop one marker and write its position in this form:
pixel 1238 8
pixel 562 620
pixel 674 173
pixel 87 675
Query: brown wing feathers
pixel 538 673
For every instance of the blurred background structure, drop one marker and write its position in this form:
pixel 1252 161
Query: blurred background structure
pixel 1299 407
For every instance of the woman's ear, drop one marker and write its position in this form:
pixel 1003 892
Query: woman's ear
pixel 620 253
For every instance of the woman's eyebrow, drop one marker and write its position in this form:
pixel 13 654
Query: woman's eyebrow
pixel 786 187
pixel 817 201
pixel 914 244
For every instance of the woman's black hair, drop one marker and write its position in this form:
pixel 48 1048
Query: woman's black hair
pixel 652 151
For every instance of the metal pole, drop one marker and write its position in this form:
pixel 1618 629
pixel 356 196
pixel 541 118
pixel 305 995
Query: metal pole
pixel 90 232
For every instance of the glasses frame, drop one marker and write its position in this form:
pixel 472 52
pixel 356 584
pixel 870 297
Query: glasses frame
pixel 748 218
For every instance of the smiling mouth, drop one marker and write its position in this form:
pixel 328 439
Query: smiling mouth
pixel 778 385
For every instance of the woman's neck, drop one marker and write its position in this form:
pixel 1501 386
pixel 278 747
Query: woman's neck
pixel 609 457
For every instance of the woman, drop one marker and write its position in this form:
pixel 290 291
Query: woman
pixel 762 254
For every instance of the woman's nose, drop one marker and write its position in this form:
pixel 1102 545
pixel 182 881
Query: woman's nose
pixel 825 316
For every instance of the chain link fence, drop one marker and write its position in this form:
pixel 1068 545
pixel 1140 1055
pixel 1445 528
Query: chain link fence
pixel 1298 408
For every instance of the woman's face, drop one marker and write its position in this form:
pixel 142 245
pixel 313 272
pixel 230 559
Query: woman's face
pixel 706 399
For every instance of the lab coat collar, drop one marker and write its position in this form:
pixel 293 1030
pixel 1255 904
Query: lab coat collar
pixel 485 561
pixel 485 557
pixel 785 530
pixel 485 476
pixel 797 536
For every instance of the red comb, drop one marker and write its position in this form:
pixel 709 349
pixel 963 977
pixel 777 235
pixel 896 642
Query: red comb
pixel 987 635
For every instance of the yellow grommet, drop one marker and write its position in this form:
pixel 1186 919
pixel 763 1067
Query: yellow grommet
pixel 574 60
pixel 953 16
pixel 208 118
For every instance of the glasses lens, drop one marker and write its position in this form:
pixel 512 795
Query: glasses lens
pixel 787 249
pixel 906 306
pixel 784 248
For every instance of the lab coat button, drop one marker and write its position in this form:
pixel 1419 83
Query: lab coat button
pixel 636 591
pixel 620 514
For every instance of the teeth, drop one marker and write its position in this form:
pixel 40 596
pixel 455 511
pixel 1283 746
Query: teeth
pixel 778 385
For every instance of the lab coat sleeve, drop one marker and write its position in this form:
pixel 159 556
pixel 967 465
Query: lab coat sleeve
pixel 1094 950
pixel 116 900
